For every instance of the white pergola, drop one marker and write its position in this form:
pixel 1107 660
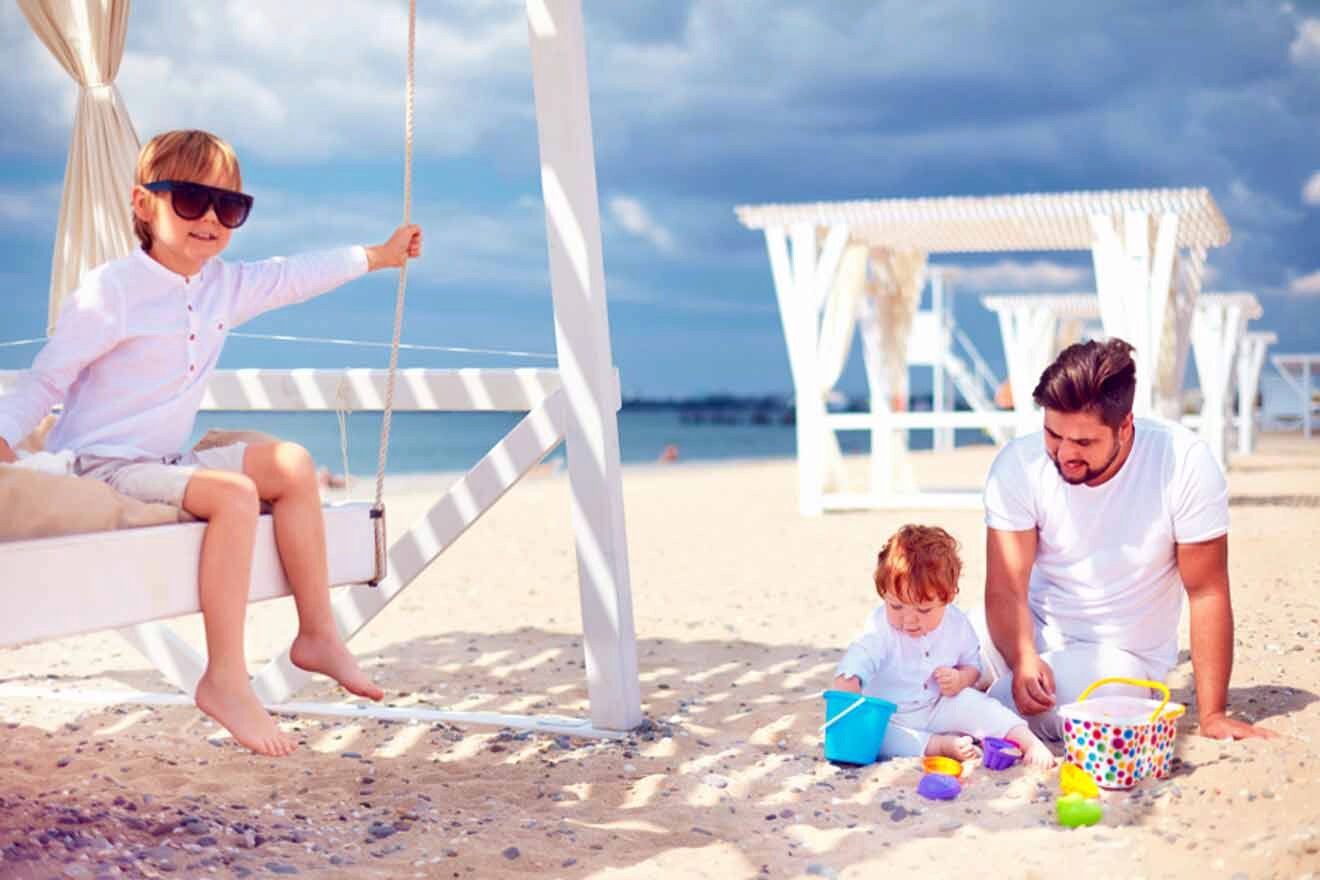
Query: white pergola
pixel 839 265
pixel 1036 326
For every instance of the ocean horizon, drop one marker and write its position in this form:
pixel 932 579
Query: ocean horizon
pixel 699 430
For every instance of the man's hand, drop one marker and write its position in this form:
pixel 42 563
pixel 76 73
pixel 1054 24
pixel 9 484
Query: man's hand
pixel 950 680
pixel 1033 686
pixel 7 455
pixel 404 244
pixel 1220 726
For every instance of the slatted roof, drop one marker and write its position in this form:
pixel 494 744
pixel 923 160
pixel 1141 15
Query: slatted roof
pixel 1031 222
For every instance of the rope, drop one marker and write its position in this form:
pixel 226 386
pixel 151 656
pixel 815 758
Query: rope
pixel 363 343
pixel 367 344
pixel 378 509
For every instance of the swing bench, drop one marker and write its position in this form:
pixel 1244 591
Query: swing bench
pixel 129 580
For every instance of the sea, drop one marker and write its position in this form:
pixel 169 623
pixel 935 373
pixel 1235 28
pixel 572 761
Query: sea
pixel 423 442
pixel 445 442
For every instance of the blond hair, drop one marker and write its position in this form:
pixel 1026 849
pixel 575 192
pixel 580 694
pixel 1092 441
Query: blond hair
pixel 183 155
pixel 919 564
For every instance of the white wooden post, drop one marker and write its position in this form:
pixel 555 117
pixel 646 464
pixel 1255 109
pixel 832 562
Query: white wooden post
pixel 577 282
pixel 877 385
pixel 1028 327
pixel 1250 359
pixel 803 278
pixel 1128 266
pixel 941 398
pixel 1306 399
pixel 1216 329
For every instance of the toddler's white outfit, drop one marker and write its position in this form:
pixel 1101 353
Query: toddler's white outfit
pixel 899 668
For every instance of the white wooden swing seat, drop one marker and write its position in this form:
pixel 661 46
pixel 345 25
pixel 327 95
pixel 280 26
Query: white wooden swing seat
pixel 82 583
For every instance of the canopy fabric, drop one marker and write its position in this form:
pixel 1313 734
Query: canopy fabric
pixel 1033 222
pixel 87 39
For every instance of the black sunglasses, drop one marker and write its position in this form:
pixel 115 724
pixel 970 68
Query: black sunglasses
pixel 191 201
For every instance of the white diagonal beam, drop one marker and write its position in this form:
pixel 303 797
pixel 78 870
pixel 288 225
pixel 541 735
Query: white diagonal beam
pixel 461 506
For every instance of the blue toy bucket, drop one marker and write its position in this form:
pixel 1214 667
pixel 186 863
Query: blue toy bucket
pixel 855 726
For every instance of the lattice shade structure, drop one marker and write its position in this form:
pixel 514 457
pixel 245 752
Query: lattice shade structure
pixel 1148 248
pixel 989 224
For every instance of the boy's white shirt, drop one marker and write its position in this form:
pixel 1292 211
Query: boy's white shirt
pixel 898 667
pixel 1106 571
pixel 136 343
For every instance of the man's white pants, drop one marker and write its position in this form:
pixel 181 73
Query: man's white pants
pixel 1076 667
pixel 969 711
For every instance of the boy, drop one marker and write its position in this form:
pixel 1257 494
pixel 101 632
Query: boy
pixel 130 358
pixel 920 653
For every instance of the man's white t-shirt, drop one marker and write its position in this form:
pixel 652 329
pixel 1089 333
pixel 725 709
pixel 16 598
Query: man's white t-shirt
pixel 1105 569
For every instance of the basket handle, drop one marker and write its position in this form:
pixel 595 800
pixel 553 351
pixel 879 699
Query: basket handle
pixel 860 700
pixel 1138 682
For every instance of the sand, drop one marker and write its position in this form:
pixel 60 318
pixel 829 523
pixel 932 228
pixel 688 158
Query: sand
pixel 741 609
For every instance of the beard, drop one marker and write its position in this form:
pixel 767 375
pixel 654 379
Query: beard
pixel 1090 473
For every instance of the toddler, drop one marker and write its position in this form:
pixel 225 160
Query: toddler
pixel 130 358
pixel 921 653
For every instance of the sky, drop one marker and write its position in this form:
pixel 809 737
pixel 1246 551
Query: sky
pixel 697 107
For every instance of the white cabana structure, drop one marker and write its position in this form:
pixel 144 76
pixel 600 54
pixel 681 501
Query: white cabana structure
pixel 1036 326
pixel 72 580
pixel 843 264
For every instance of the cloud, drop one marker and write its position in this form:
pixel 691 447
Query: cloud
pixel 1260 210
pixel 1012 275
pixel 292 81
pixel 1308 285
pixel 1311 190
pixel 632 215
pixel 1305 47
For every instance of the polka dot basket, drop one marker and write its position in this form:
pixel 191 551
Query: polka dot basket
pixel 1120 740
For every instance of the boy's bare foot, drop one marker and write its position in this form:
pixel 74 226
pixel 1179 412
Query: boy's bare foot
pixel 1034 752
pixel 239 711
pixel 951 745
pixel 329 655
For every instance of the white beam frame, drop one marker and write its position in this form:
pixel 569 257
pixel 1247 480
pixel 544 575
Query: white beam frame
pixel 1129 256
pixel 1217 329
pixel 583 411
pixel 1250 359
pixel 803 272
pixel 1308 365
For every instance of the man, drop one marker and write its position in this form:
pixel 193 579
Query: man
pixel 1095 528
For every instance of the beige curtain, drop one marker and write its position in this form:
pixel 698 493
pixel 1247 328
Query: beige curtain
pixel 87 39
pixel 895 290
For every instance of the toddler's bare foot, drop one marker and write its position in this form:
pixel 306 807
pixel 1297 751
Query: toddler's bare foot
pixel 328 655
pixel 1037 754
pixel 950 745
pixel 238 710
pixel 1034 752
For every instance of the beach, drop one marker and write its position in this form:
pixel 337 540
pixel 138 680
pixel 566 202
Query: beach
pixel 742 607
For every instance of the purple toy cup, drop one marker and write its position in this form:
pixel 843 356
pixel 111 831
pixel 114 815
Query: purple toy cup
pixel 939 787
pixel 999 754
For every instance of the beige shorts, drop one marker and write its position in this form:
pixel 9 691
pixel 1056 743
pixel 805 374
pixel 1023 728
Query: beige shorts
pixel 159 480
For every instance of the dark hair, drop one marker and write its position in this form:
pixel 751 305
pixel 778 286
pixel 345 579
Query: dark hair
pixel 919 564
pixel 1091 376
